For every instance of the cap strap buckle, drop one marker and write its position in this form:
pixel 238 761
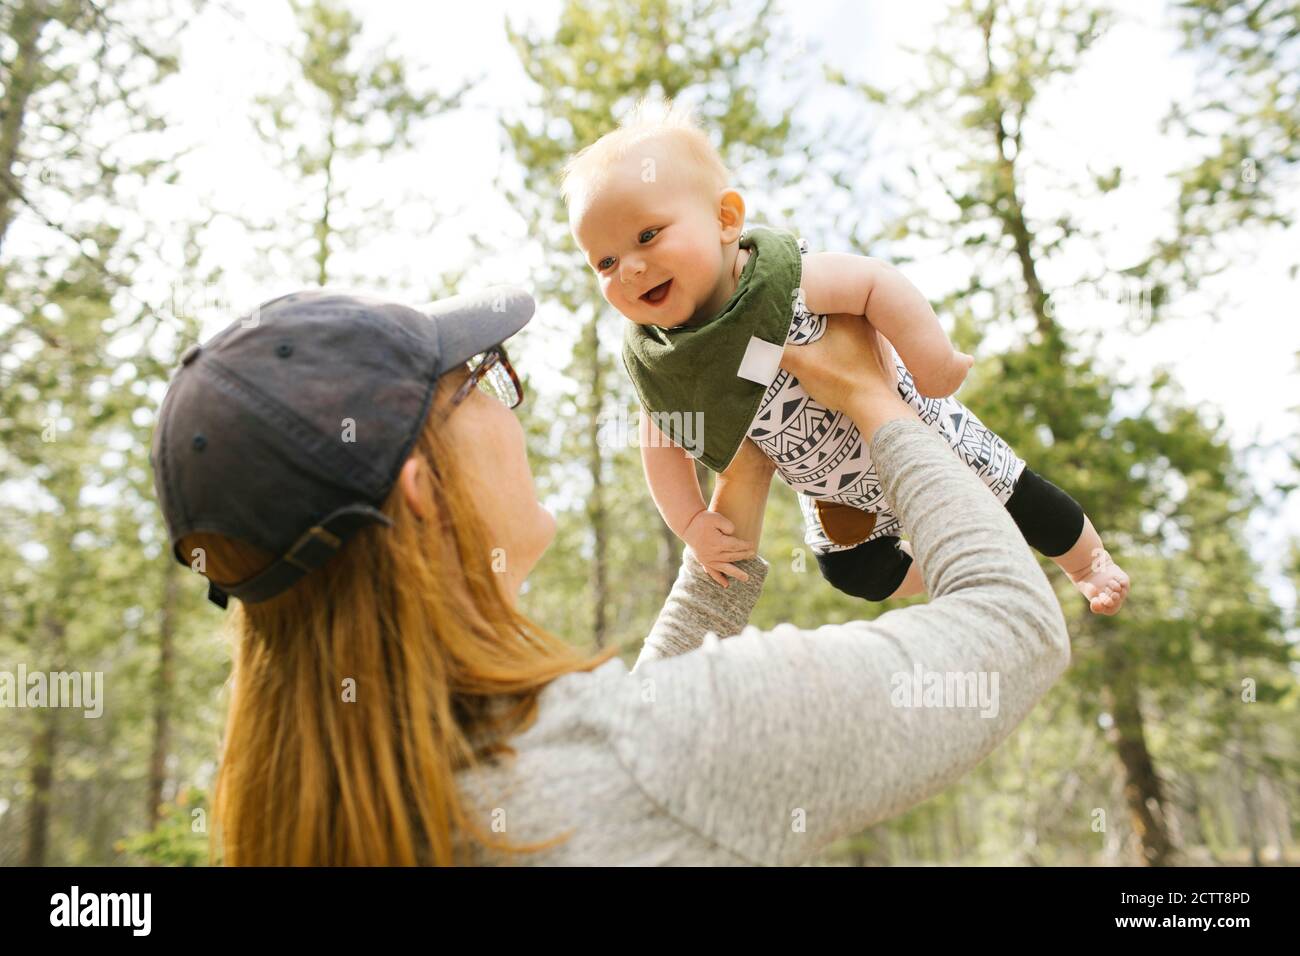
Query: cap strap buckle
pixel 315 546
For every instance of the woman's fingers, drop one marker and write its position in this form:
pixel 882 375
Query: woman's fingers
pixel 849 357
pixel 734 571
pixel 716 559
pixel 733 550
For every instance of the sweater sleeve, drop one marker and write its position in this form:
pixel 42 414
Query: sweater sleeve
pixel 697 606
pixel 774 744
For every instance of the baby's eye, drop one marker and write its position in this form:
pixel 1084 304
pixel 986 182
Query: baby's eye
pixel 647 235
pixel 605 263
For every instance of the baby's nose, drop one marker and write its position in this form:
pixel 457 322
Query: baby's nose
pixel 632 269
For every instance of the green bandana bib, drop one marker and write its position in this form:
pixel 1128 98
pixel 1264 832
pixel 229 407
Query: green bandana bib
pixel 702 384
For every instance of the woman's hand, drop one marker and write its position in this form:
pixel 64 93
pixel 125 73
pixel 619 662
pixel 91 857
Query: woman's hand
pixel 847 369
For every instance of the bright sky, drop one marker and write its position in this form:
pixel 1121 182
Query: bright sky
pixel 1106 115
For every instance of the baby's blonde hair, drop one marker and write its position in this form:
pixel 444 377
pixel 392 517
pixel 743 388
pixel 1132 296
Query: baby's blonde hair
pixel 650 119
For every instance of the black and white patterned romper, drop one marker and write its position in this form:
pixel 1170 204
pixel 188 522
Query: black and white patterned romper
pixel 820 453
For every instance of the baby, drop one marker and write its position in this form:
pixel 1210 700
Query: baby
pixel 711 306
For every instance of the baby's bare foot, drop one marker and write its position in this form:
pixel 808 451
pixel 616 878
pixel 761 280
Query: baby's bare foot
pixel 1105 588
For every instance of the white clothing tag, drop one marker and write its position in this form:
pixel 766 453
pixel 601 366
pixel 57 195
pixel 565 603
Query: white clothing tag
pixel 761 363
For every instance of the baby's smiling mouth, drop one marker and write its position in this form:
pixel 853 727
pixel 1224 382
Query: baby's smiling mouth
pixel 658 293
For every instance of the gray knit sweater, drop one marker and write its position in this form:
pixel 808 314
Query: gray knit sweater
pixel 767 746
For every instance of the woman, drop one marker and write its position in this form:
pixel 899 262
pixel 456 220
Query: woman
pixel 351 470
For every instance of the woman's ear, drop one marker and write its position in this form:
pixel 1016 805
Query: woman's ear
pixel 411 480
pixel 731 215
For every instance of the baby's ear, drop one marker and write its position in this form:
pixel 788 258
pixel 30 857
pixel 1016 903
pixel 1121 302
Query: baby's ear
pixel 731 215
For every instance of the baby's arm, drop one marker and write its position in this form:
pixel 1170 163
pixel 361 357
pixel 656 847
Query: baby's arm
pixel 835 282
pixel 670 473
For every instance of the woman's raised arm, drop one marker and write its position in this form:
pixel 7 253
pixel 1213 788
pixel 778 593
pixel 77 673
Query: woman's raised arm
pixel 697 605
pixel 777 743
pixel 774 744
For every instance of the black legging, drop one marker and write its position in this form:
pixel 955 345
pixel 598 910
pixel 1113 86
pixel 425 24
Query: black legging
pixel 1050 520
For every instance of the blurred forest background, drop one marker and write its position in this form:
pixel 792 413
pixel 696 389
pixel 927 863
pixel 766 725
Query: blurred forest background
pixel 1174 736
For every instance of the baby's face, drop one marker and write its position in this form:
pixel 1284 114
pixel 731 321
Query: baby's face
pixel 656 246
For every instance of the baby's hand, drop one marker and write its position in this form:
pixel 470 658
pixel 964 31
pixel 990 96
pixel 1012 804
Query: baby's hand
pixel 943 378
pixel 709 535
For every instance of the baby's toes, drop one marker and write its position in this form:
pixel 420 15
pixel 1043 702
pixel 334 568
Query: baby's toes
pixel 1110 597
pixel 1117 595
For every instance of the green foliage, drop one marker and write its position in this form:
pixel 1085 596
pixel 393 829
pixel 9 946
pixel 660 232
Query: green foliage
pixel 1161 484
pixel 350 105
pixel 179 839
pixel 1243 128
pixel 82 359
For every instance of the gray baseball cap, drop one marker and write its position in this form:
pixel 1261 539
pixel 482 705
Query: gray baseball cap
pixel 288 428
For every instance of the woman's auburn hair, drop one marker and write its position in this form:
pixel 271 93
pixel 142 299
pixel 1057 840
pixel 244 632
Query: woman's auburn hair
pixel 358 694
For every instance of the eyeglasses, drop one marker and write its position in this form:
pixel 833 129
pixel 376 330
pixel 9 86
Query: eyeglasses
pixel 492 372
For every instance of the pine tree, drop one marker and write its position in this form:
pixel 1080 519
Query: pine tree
pixel 1161 485
pixel 346 105
pixel 75 119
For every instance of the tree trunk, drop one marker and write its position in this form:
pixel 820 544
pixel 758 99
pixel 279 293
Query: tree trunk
pixel 596 503
pixel 1142 785
pixel 162 698
pixel 323 227
pixel 936 835
pixel 1195 830
pixel 44 748
pixel 27 25
pixel 958 835
pixel 1010 209
pixel 1281 834
pixel 1248 781
pixel 42 783
pixel 1142 789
